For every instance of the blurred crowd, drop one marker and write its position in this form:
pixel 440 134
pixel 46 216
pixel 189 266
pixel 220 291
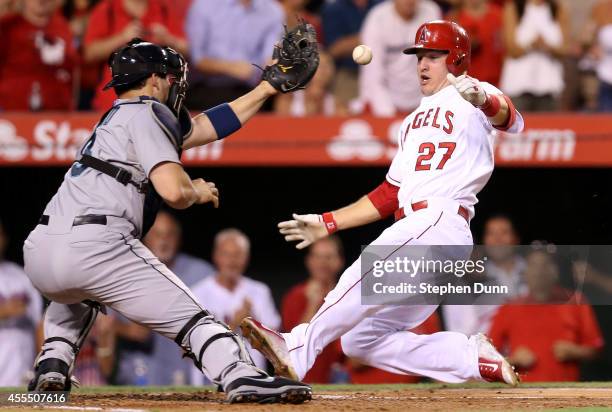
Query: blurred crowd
pixel 546 331
pixel 55 51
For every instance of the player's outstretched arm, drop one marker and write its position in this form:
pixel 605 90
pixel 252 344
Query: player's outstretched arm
pixel 309 228
pixel 223 120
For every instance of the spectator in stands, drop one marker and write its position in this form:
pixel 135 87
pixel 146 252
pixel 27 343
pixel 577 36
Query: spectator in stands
pixel 324 263
pixel 163 360
pixel 113 23
pixel 164 240
pixel 295 10
pixel 588 276
pixel 580 91
pixel 504 266
pixel 483 22
pixel 9 7
pixel 97 356
pixel 226 41
pixel 77 13
pixel 536 33
pixel 315 99
pixel 601 17
pixel 548 331
pixel 134 352
pixel 37 62
pixel 342 21
pixel 229 295
pixel 389 84
pixel 20 313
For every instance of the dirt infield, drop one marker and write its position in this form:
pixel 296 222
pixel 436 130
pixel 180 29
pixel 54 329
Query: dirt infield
pixel 358 398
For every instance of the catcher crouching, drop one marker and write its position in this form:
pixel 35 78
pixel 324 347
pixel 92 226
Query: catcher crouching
pixel 86 251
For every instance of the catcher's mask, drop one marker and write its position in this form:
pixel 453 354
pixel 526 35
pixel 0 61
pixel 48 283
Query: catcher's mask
pixel 139 59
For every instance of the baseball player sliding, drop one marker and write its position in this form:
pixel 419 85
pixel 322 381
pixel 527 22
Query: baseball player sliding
pixel 85 253
pixel 445 157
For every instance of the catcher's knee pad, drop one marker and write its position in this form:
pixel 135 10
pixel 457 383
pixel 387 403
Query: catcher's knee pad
pixel 214 348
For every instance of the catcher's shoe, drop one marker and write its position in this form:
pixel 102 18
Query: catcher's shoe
pixel 50 375
pixel 492 365
pixel 271 344
pixel 267 389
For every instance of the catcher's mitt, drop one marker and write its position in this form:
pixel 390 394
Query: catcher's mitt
pixel 297 59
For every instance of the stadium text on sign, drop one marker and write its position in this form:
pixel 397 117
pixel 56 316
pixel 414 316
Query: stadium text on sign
pixel 571 140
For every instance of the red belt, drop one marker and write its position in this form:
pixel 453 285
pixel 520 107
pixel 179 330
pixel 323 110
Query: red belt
pixel 399 213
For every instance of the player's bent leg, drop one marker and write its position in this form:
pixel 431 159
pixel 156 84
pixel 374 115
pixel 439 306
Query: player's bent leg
pixel 383 341
pixel 65 330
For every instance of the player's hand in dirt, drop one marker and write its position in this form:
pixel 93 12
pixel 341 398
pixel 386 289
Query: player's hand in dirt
pixel 207 192
pixel 306 228
pixel 522 358
pixel 469 88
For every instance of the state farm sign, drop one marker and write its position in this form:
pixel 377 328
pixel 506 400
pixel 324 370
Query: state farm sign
pixel 561 140
pixel 536 145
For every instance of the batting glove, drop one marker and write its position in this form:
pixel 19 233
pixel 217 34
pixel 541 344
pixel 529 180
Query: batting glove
pixel 307 228
pixel 469 88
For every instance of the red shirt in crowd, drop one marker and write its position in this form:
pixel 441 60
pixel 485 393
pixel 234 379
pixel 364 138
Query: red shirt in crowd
pixel 109 18
pixel 369 375
pixel 36 64
pixel 538 327
pixel 486 34
pixel 293 308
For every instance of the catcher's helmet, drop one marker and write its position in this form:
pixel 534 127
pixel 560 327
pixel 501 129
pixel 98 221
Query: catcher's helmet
pixel 139 59
pixel 448 37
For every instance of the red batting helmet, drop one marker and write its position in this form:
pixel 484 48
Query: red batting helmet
pixel 445 36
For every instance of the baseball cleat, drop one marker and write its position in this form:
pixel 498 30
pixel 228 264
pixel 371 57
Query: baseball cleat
pixel 267 389
pixel 50 375
pixel 271 344
pixel 492 365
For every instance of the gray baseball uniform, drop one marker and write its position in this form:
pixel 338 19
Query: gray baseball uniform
pixel 88 249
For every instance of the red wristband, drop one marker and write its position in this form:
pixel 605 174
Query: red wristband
pixel 330 222
pixel 491 106
pixel 511 117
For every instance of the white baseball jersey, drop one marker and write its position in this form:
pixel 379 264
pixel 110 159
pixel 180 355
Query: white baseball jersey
pixel 445 150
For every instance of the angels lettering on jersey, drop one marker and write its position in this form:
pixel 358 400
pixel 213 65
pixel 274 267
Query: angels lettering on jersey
pixel 445 150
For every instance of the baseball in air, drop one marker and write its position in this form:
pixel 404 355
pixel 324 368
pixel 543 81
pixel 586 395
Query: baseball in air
pixel 362 54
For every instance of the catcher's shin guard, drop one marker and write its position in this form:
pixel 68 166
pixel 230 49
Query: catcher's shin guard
pixel 54 364
pixel 215 349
